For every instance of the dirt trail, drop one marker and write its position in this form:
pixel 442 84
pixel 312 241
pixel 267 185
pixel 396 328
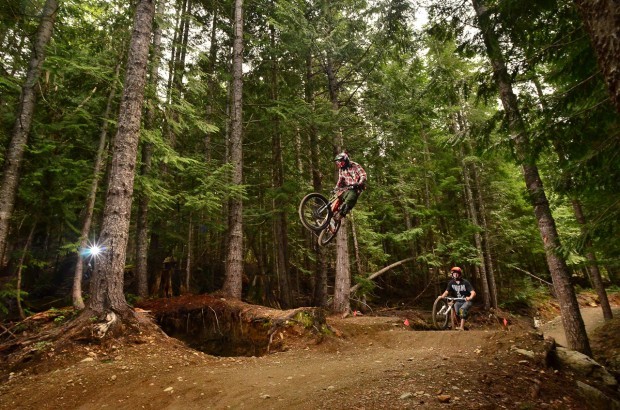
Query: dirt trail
pixel 592 319
pixel 379 363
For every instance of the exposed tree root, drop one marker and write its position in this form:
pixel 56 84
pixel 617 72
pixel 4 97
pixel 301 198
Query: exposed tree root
pixel 230 327
pixel 42 335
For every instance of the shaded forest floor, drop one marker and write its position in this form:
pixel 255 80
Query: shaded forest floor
pixel 363 362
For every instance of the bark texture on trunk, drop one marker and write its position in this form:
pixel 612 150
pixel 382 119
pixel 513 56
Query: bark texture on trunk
pixel 142 226
pixel 488 256
pixel 473 215
pixel 211 83
pixel 594 272
pixel 107 281
pixel 319 297
pixel 571 317
pixel 602 21
pixel 342 280
pixel 78 302
pixel 234 258
pixel 279 222
pixel 20 267
pixel 190 256
pixel 21 129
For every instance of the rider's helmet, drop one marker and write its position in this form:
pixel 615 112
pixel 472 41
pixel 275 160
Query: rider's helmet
pixel 456 272
pixel 342 160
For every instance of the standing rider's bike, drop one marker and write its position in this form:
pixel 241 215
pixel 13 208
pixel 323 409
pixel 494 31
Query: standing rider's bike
pixel 444 312
pixel 321 215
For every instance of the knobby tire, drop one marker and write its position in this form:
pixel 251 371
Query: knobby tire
pixel 329 232
pixel 314 212
pixel 440 321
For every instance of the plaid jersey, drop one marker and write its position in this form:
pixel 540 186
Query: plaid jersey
pixel 353 174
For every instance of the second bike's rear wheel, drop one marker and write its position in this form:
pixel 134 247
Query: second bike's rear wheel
pixel 314 211
pixel 441 314
pixel 329 232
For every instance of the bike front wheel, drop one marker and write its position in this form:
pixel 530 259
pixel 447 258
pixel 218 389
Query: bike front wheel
pixel 441 314
pixel 314 211
pixel 329 232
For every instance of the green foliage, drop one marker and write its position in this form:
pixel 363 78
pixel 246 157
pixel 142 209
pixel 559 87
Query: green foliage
pixel 524 293
pixel 131 299
pixel 415 108
pixel 8 291
pixel 366 287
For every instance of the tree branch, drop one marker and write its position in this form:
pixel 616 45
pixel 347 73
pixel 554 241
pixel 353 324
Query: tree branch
pixel 382 271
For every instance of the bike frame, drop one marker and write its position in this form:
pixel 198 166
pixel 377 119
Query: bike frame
pixel 449 309
pixel 334 201
pixel 454 316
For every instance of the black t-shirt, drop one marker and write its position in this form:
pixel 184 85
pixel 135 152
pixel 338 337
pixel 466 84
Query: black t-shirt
pixel 462 289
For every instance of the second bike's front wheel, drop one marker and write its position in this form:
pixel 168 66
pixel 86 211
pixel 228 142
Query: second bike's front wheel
pixel 314 211
pixel 329 232
pixel 441 314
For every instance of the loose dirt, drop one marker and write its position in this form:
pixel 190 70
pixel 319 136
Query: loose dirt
pixel 371 363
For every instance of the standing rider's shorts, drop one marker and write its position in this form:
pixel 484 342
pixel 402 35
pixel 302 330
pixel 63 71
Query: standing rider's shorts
pixel 462 307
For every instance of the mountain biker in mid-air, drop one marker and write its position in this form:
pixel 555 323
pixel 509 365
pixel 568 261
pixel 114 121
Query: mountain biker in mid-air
pixel 350 175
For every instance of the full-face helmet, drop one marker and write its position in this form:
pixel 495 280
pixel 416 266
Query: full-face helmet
pixel 456 272
pixel 342 160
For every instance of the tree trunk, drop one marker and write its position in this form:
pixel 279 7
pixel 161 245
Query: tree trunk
pixel 571 317
pixel 184 43
pixel 342 283
pixel 174 53
pixel 602 21
pixel 460 127
pixel 78 302
pixel 319 297
pixel 106 285
pixel 356 250
pixel 486 242
pixel 234 258
pixel 188 266
pixel 595 274
pixel 25 112
pixel 211 83
pixel 142 226
pixel 279 222
pixel 473 214
pixel 19 272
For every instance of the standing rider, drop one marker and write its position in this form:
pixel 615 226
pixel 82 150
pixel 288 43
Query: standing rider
pixel 460 288
pixel 350 175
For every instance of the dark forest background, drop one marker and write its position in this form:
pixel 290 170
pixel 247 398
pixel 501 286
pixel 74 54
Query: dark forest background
pixel 407 88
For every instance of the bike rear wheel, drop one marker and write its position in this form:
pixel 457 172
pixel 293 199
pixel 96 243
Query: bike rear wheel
pixel 441 314
pixel 314 211
pixel 329 232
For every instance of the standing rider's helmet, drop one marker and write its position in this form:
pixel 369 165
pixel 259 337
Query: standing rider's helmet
pixel 342 160
pixel 456 272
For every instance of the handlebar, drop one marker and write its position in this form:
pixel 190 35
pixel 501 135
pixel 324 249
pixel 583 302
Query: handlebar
pixel 344 188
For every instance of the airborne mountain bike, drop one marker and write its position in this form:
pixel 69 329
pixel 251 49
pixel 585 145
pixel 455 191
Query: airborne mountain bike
pixel 444 312
pixel 321 215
